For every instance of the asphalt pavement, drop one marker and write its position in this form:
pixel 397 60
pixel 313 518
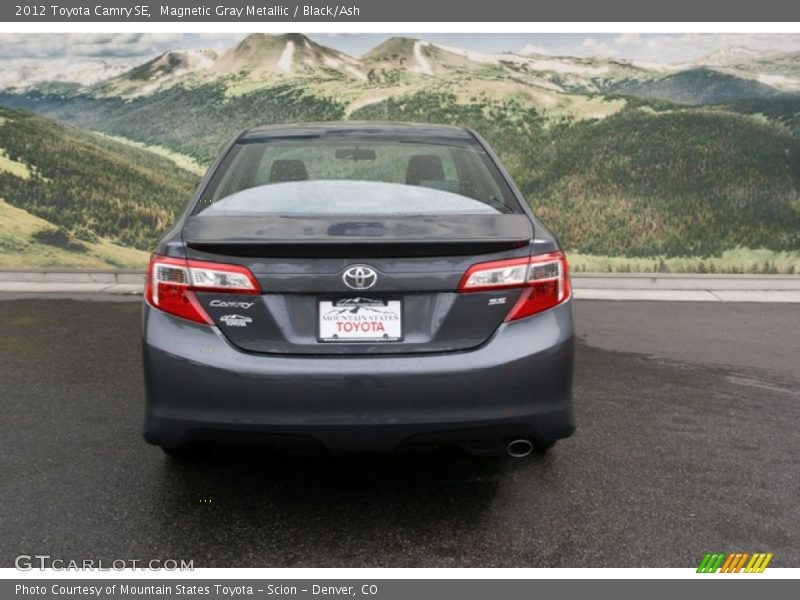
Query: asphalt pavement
pixel 687 443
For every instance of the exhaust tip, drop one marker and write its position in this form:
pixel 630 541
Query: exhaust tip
pixel 519 448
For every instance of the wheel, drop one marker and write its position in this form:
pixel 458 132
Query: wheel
pixel 187 451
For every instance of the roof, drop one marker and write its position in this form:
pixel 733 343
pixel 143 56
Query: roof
pixel 360 129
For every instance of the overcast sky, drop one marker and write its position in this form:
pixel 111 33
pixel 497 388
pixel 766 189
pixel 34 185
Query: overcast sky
pixel 132 48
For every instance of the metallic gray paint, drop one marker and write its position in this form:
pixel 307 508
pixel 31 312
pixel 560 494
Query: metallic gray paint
pixel 436 318
pixel 199 386
pixel 433 322
pixel 481 380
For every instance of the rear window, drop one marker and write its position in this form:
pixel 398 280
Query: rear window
pixel 356 176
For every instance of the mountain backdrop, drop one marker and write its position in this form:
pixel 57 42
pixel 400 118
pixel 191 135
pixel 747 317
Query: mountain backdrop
pixel 637 166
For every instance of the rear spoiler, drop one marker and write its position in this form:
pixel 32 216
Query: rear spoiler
pixel 354 237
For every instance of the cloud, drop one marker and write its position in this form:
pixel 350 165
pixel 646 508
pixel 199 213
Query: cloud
pixel 593 47
pixel 534 49
pixel 676 48
pixel 102 45
pixel 628 40
pixel 23 73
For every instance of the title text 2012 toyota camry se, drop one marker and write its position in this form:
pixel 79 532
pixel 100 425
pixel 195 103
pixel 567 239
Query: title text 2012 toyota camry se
pixel 358 287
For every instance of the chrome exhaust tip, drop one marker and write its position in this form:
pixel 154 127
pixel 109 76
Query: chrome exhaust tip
pixel 519 448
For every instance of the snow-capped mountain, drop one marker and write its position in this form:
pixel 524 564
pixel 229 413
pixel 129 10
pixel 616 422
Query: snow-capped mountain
pixel 162 71
pixel 25 75
pixel 288 55
pixel 735 55
pixel 261 60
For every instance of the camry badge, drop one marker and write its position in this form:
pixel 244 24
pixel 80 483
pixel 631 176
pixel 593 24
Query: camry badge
pixel 360 277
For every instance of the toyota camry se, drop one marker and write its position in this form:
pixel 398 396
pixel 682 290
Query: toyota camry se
pixel 358 287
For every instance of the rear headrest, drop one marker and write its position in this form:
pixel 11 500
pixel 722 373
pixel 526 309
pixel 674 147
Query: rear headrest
pixel 424 167
pixel 285 169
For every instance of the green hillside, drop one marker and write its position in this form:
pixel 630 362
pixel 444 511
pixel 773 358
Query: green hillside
pixel 680 183
pixel 651 179
pixel 698 86
pixel 783 109
pixel 30 241
pixel 89 186
pixel 201 119
pixel 640 182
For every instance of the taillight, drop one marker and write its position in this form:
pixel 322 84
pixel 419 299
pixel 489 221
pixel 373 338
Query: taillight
pixel 543 278
pixel 171 283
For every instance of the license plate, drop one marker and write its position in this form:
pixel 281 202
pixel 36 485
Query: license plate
pixel 360 320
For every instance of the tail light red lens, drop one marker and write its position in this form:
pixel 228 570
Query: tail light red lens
pixel 171 283
pixel 544 280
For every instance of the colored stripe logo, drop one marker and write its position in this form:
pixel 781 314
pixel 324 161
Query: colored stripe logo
pixel 738 562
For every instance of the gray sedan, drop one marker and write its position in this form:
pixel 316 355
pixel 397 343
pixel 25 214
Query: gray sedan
pixel 358 287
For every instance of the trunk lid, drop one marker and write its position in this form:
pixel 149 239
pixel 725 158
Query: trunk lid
pixel 304 266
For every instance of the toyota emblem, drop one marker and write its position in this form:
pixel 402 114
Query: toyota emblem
pixel 360 277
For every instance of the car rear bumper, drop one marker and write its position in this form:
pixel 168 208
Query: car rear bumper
pixel 517 384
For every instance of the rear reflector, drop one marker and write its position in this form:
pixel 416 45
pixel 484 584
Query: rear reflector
pixel 543 278
pixel 171 283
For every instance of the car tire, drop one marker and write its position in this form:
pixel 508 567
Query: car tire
pixel 187 451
